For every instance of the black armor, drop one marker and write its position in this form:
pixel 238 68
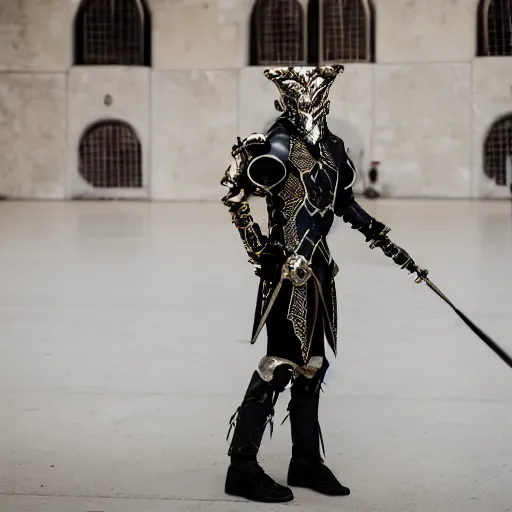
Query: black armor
pixel 306 177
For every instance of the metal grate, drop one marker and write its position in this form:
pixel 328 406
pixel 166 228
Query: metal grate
pixel 498 151
pixel 496 22
pixel 110 156
pixel 346 30
pixel 277 33
pixel 112 32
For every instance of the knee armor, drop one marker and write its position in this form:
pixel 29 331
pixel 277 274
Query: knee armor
pixel 278 372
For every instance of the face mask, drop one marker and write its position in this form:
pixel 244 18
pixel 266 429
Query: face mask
pixel 304 95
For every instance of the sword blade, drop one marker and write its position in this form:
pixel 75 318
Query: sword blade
pixel 502 354
pixel 318 286
pixel 267 311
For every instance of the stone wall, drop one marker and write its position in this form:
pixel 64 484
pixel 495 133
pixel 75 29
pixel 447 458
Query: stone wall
pixel 423 109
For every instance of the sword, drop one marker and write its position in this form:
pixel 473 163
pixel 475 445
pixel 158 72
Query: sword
pixel 264 317
pixel 486 339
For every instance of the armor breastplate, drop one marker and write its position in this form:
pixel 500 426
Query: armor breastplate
pixel 319 175
pixel 308 196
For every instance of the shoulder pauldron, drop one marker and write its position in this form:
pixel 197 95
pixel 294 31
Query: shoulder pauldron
pixel 268 169
pixel 236 178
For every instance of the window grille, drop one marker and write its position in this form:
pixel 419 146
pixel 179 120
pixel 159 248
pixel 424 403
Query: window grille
pixel 110 156
pixel 277 33
pixel 495 28
pixel 347 31
pixel 113 33
pixel 498 151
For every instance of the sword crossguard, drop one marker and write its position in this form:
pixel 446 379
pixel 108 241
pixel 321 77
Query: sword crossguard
pixel 422 274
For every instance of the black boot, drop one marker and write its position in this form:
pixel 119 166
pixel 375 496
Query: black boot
pixel 245 476
pixel 307 468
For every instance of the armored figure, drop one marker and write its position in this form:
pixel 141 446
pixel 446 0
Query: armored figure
pixel 306 177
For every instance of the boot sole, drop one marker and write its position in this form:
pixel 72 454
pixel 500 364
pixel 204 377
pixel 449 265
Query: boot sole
pixel 299 475
pixel 284 499
pixel 306 486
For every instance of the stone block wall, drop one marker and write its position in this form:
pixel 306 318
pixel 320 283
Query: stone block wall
pixel 423 108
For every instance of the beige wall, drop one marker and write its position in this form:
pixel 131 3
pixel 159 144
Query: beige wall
pixel 194 127
pixel 423 109
pixel 87 88
pixel 33 159
pixel 424 142
pixel 425 31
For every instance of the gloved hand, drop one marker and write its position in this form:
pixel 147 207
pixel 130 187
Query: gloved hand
pixel 420 273
pixel 270 262
pixel 400 257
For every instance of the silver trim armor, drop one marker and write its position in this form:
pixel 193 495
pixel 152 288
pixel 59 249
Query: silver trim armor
pixel 268 365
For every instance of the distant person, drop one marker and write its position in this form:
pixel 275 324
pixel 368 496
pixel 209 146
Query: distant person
pixel 371 191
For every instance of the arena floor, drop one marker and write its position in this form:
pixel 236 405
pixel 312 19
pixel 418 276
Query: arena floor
pixel 124 351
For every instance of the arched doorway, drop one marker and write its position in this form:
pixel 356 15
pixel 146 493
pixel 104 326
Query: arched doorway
pixel 110 156
pixel 498 152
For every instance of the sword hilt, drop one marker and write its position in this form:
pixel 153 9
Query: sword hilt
pixel 421 273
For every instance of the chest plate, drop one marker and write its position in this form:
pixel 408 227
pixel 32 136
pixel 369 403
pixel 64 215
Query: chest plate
pixel 318 174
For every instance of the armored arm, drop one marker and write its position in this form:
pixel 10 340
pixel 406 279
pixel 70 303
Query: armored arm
pixel 375 232
pixel 240 188
pixel 255 170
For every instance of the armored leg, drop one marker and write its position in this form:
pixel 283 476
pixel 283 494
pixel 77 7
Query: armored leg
pixel 245 477
pixel 306 466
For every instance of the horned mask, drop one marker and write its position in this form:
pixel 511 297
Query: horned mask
pixel 304 96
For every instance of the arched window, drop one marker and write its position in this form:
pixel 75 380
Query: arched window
pixel 347 31
pixel 110 156
pixel 498 151
pixel 277 33
pixel 495 28
pixel 113 33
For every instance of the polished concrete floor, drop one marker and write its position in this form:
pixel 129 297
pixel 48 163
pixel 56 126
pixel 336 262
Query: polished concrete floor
pixel 124 351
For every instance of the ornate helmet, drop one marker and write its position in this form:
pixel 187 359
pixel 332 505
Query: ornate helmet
pixel 304 96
